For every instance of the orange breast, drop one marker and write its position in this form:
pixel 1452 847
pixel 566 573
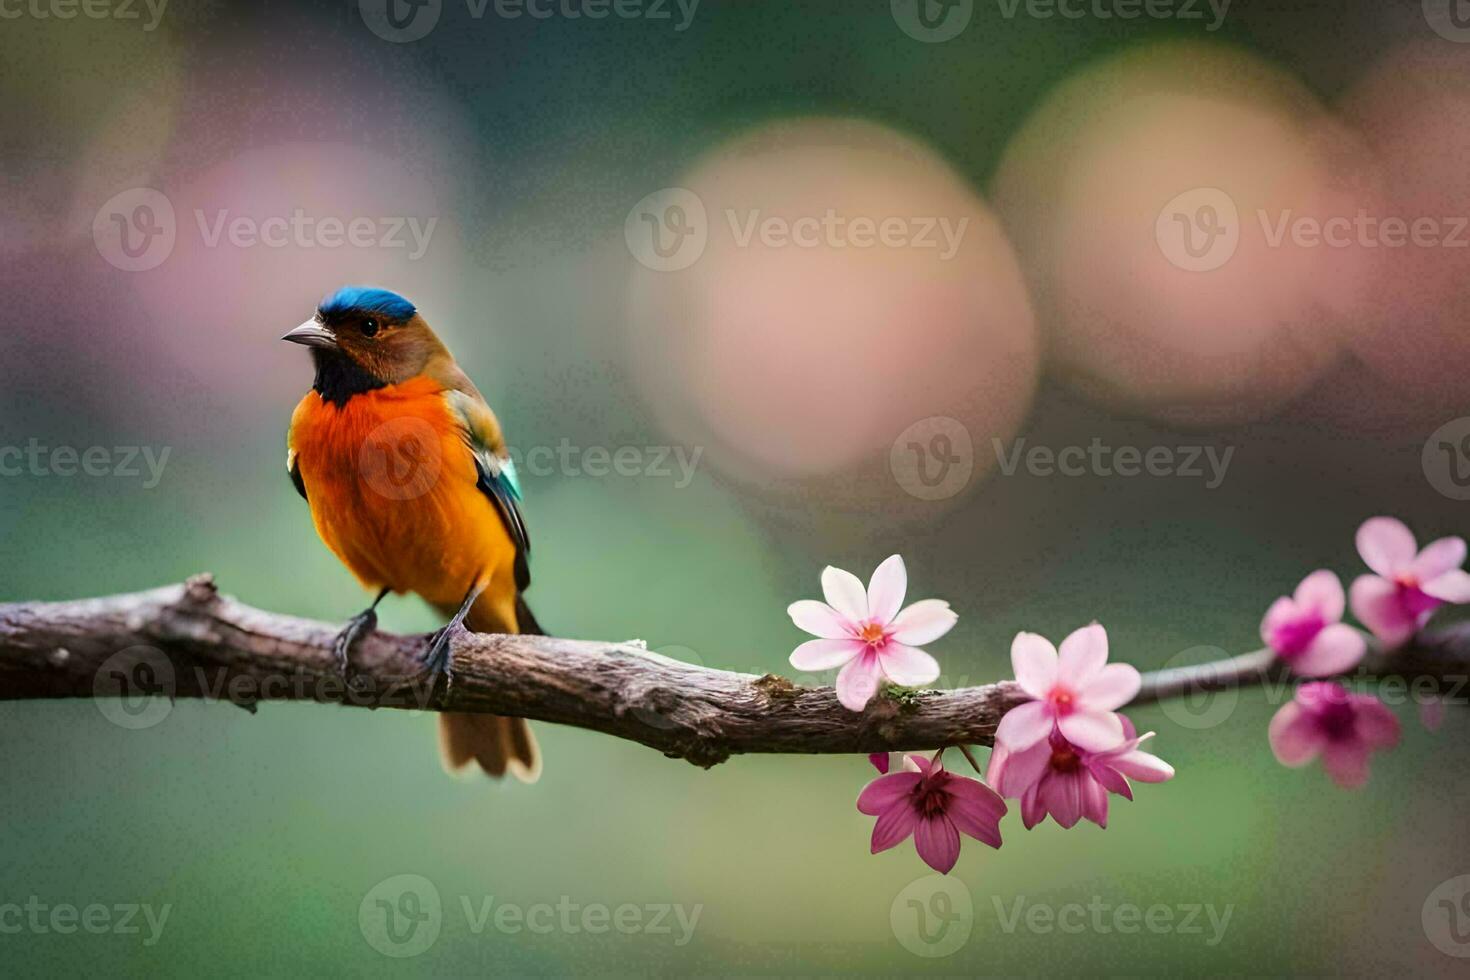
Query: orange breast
pixel 392 488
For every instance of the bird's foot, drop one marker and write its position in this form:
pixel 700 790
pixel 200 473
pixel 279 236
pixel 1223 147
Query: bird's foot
pixel 438 658
pixel 357 627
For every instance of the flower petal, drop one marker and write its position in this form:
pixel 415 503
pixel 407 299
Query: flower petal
pixel 1109 778
pixel 845 593
pixel 1438 557
pixel 1034 661
pixel 1032 812
pixel 1142 766
pixel 886 590
pixel 908 666
pixel 1111 688
pixel 1083 654
pixel 1346 763
pixel 887 791
pixel 857 682
pixel 1377 726
pixel 1376 604
pixel 976 795
pixel 1336 650
pixel 894 826
pixel 1017 772
pixel 1095 731
pixel 923 622
pixel 1295 738
pixel 1282 611
pixel 815 655
pixel 1452 586
pixel 880 763
pixel 973 814
pixel 1322 591
pixel 1061 794
pixel 820 619
pixel 1023 726
pixel 995 769
pixel 938 842
pixel 1094 799
pixel 1387 545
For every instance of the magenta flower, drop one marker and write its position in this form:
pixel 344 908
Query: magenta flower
pixel 1327 719
pixel 1075 692
pixel 935 807
pixel 1307 632
pixel 1069 782
pixel 1410 584
pixel 863 632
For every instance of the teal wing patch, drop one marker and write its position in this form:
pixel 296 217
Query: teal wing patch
pixel 499 482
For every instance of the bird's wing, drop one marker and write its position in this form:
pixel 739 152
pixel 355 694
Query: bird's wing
pixel 293 470
pixel 497 472
pixel 293 466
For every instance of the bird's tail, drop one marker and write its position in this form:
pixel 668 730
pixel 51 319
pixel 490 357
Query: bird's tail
pixel 496 743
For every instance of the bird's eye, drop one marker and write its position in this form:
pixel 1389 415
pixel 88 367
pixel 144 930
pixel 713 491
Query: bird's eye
pixel 369 327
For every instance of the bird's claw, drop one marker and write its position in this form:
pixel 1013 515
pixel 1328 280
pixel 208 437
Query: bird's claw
pixel 357 627
pixel 438 658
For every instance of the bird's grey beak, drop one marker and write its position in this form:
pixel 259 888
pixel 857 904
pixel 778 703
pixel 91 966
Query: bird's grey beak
pixel 312 334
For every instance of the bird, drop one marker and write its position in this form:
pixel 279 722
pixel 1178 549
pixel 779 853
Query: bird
pixel 406 472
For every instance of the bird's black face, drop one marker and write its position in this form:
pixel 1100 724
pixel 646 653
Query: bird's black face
pixel 358 349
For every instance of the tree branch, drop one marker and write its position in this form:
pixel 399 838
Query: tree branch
pixel 191 642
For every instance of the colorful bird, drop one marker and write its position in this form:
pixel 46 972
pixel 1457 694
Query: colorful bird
pixel 406 472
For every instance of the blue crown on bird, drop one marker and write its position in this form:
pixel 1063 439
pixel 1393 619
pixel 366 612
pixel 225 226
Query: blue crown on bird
pixel 365 299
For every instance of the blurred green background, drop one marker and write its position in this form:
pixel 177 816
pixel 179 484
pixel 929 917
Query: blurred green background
pixel 530 140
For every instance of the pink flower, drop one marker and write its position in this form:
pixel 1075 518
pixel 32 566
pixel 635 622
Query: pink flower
pixel 933 805
pixel 1070 783
pixel 1410 584
pixel 1075 692
pixel 863 632
pixel 1306 629
pixel 1327 719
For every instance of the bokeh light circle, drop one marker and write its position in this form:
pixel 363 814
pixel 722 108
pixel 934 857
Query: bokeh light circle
pixel 1148 196
pixel 851 286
